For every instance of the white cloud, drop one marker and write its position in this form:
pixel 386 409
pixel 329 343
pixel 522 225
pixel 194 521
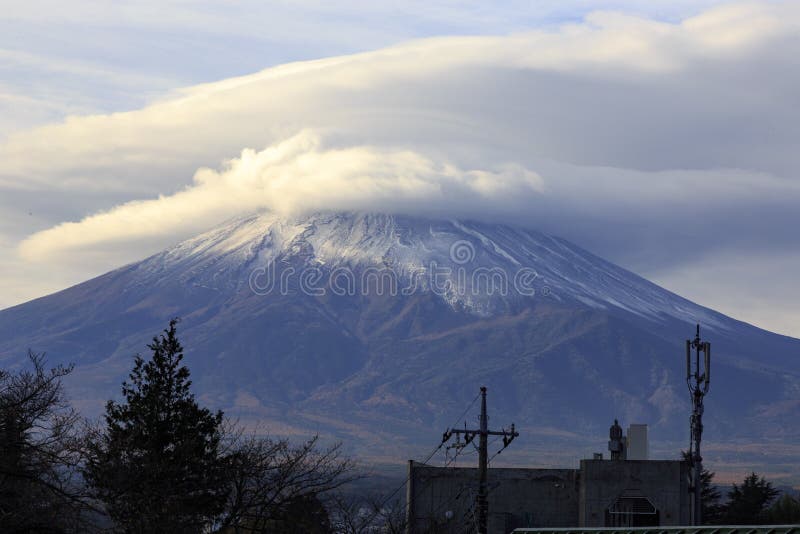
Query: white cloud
pixel 293 176
pixel 647 140
pixel 130 50
pixel 612 91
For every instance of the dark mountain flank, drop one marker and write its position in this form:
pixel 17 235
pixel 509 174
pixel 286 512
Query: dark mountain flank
pixel 379 329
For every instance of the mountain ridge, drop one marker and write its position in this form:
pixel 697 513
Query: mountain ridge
pixel 588 342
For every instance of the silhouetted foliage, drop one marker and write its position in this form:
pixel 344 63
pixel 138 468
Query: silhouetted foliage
pixel 40 450
pixel 710 496
pixel 785 511
pixel 747 503
pixel 157 464
pixel 162 463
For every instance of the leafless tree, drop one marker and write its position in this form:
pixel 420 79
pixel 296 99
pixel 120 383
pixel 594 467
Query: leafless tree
pixel 390 515
pixel 40 452
pixel 269 475
pixel 355 514
pixel 349 514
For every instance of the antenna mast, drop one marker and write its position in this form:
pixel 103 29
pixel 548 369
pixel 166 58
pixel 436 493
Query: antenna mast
pixel 698 375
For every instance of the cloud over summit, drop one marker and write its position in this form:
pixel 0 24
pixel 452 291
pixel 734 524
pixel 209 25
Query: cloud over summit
pixel 294 176
pixel 653 143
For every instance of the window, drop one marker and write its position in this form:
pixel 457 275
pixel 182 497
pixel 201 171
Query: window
pixel 632 511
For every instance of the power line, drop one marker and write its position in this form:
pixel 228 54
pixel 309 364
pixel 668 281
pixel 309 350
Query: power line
pixel 498 452
pixel 482 434
pixel 460 491
pixel 427 459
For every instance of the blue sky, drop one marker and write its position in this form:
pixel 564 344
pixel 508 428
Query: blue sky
pixel 661 135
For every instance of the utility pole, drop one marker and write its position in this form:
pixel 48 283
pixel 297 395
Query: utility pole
pixel 483 434
pixel 697 379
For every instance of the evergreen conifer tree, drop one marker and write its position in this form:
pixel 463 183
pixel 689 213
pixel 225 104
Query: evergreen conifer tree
pixel 157 465
pixel 747 503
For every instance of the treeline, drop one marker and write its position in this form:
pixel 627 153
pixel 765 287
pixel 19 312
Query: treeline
pixel 754 501
pixel 158 462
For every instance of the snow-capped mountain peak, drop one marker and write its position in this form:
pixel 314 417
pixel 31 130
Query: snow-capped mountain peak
pixel 348 322
pixel 478 267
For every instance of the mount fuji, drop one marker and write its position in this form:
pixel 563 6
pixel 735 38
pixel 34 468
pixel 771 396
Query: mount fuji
pixel 378 329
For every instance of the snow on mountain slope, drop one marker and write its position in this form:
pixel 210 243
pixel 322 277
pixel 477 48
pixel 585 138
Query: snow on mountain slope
pixel 424 255
pixel 565 341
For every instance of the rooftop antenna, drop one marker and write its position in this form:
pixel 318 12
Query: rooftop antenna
pixel 616 442
pixel 698 375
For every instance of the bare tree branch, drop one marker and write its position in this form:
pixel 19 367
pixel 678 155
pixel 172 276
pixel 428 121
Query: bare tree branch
pixel 40 452
pixel 268 475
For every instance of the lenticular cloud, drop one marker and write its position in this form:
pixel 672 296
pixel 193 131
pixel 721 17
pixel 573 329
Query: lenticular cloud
pixel 295 176
pixel 617 131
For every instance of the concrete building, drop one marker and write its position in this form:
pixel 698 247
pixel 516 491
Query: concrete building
pixel 633 493
pixel 600 493
pixel 636 443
